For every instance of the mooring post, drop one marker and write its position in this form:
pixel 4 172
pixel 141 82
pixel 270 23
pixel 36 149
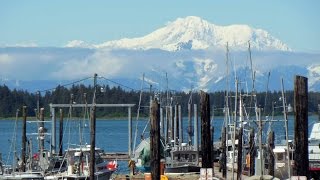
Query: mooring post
pixel 180 125
pixel 252 152
pixel 239 160
pixel 92 141
pixel 24 138
pixel 155 140
pixel 223 159
pixel 205 130
pixel 61 133
pixel 301 167
pixel 41 130
pixel 271 159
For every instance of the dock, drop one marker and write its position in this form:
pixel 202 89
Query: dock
pixel 120 156
pixel 179 176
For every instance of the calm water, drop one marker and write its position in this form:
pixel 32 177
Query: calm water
pixel 111 135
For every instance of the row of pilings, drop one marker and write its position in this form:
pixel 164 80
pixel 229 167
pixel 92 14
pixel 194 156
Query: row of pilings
pixel 301 165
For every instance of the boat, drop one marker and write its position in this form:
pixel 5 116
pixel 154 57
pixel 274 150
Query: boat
pixel 77 160
pixel 80 159
pixel 18 170
pixel 142 155
pixel 314 150
pixel 182 159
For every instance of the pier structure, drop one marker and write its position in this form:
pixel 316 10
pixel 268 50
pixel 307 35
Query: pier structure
pixel 53 117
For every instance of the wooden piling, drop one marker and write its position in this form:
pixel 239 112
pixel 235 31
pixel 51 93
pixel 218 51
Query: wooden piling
pixel 92 141
pixel 301 167
pixel 155 140
pixel 205 130
pixel 24 138
pixel 252 152
pixel 239 160
pixel 223 160
pixel 61 133
pixel 271 159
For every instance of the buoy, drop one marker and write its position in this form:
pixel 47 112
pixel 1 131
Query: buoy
pixel 163 177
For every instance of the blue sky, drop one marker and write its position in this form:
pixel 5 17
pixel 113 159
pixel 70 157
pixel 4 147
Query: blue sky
pixel 54 23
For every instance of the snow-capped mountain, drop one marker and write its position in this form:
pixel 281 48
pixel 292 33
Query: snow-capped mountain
pixel 190 50
pixel 195 33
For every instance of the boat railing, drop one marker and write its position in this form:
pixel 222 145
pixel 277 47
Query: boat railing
pixel 183 148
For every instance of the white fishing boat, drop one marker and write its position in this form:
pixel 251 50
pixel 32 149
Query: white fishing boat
pixel 314 150
pixel 77 160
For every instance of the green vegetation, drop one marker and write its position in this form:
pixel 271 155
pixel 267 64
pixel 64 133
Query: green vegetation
pixel 11 100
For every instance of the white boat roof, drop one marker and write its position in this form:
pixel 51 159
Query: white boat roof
pixel 315 132
pixel 279 150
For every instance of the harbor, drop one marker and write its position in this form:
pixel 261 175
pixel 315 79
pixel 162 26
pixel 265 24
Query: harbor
pixel 189 147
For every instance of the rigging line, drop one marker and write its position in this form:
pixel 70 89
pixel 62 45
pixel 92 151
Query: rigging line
pixel 253 97
pixel 64 85
pixel 265 99
pixel 13 139
pixel 118 83
pixel 138 114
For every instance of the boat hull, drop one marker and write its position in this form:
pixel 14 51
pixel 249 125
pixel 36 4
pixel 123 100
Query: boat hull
pixel 182 169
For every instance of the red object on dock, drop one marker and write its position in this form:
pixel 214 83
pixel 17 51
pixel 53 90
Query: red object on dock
pixel 112 165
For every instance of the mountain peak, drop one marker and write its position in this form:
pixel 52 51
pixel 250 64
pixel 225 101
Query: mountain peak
pixel 193 32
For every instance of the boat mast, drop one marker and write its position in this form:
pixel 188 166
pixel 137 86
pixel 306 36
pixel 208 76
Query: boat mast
pixel 138 115
pixel 227 115
pixel 284 104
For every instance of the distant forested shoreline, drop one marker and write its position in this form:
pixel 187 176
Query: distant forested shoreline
pixel 13 100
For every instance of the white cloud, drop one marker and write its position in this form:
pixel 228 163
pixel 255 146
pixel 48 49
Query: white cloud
pixel 26 44
pixel 78 44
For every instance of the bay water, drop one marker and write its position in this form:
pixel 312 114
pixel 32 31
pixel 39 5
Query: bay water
pixel 111 134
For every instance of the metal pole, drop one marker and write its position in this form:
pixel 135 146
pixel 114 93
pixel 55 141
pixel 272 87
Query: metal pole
pixel 130 131
pixel 24 138
pixel 195 119
pixel 175 124
pixel 53 130
pixel 162 121
pixel 180 125
pixel 260 143
pixel 286 127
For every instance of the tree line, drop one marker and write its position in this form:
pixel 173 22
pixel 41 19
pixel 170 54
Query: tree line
pixel 13 100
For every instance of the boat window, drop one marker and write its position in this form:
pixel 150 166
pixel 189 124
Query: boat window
pixel 280 156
